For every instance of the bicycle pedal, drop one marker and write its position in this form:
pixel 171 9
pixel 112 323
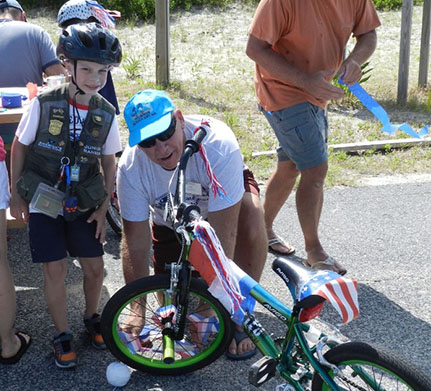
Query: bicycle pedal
pixel 261 371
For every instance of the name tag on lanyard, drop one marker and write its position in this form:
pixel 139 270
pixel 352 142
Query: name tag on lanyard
pixel 194 188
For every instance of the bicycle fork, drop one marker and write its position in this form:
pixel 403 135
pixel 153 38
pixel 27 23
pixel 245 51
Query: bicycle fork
pixel 173 329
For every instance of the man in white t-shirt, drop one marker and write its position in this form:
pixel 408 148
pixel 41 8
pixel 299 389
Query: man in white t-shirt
pixel 156 143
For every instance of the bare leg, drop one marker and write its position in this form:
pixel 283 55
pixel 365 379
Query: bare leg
pixel 278 189
pixel 10 343
pixel 55 292
pixel 250 250
pixel 251 242
pixel 93 281
pixel 309 201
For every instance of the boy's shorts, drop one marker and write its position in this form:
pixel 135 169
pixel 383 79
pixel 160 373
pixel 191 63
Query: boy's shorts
pixel 51 239
pixel 302 131
pixel 166 247
pixel 4 186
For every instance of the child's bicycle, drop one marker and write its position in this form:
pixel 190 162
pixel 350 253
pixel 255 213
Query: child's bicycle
pixel 170 325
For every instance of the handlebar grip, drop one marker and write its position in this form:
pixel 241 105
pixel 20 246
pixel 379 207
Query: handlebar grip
pixel 188 212
pixel 197 139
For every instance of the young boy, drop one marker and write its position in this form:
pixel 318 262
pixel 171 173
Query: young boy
pixel 87 11
pixel 57 186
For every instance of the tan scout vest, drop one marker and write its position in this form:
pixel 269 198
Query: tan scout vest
pixel 52 143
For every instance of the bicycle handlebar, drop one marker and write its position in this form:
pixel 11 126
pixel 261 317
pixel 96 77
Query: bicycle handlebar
pixel 187 212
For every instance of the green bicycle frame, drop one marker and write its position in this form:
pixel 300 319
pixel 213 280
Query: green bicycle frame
pixel 295 330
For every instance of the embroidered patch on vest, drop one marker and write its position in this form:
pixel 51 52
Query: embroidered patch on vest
pixel 55 127
pixel 95 133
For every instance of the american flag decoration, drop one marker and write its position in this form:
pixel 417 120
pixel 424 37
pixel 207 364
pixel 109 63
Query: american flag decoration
pixel 203 327
pixel 208 258
pixel 341 292
pixel 103 15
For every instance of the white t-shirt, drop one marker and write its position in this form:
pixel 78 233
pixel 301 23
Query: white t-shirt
pixel 29 124
pixel 142 185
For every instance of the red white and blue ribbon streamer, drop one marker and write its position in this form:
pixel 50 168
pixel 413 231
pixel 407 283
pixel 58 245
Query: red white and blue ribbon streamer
pixel 380 113
pixel 216 188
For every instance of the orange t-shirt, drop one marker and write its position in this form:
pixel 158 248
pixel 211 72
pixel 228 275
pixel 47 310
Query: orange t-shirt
pixel 311 35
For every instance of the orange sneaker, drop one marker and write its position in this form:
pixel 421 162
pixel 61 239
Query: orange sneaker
pixel 65 356
pixel 93 327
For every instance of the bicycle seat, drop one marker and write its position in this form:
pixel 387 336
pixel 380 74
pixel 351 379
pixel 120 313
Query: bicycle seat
pixel 297 276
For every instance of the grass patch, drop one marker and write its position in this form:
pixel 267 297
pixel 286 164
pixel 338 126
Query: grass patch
pixel 211 75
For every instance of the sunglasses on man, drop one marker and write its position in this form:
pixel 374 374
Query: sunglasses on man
pixel 164 136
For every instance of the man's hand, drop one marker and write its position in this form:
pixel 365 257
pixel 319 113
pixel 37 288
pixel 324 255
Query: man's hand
pixel 350 72
pixel 317 85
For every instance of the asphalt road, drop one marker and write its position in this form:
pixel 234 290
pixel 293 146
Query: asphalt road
pixel 380 234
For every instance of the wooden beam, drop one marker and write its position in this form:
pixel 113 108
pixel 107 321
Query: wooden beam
pixel 162 42
pixel 425 44
pixel 366 145
pixel 403 68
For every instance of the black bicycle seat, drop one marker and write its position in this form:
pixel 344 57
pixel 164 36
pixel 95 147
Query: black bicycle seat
pixel 296 275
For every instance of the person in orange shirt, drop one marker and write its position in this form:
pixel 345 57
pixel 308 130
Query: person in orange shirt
pixel 298 47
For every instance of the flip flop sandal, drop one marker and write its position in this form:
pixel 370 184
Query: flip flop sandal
pixel 239 336
pixel 327 264
pixel 278 240
pixel 23 348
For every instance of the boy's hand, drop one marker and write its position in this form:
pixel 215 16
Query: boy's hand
pixel 99 216
pixel 19 208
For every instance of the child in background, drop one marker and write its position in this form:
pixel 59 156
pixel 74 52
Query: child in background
pixel 62 139
pixel 87 11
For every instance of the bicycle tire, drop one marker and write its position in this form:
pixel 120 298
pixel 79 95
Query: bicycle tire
pixel 192 352
pixel 389 371
pixel 113 214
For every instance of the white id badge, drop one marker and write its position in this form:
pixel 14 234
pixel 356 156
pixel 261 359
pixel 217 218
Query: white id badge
pixel 47 200
pixel 194 188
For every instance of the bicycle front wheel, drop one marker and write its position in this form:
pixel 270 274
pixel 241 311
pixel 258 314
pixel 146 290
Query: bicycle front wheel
pixel 365 367
pixel 134 318
pixel 113 213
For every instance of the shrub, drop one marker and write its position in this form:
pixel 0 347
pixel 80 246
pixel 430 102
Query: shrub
pixel 131 9
pixel 144 9
pixel 392 4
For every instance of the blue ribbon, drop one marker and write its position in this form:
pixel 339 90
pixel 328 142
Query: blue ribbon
pixel 380 113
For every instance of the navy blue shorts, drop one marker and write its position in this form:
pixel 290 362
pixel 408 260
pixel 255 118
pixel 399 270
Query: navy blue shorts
pixel 52 239
pixel 302 131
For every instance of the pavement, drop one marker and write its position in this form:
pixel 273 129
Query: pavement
pixel 380 233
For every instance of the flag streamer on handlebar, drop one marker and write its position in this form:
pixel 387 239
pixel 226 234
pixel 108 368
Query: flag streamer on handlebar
pixel 216 187
pixel 208 258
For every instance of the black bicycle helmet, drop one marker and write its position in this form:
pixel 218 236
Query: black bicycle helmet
pixel 89 42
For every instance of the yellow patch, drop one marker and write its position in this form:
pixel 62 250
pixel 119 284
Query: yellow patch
pixel 55 127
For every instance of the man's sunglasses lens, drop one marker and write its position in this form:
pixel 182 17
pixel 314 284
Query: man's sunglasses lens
pixel 165 136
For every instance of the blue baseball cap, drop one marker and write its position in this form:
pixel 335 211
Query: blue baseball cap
pixel 147 114
pixel 10 3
